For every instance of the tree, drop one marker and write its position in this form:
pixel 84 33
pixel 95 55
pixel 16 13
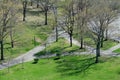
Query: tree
pixel 108 15
pixel 12 24
pixel 45 7
pixel 82 6
pixel 37 1
pixel 31 2
pixel 5 19
pixel 69 19
pixel 54 7
pixel 99 22
pixel 24 3
pixel 111 15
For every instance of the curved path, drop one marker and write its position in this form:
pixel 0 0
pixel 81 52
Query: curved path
pixel 30 54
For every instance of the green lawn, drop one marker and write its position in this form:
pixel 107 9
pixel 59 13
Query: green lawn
pixel 67 68
pixel 59 47
pixel 90 42
pixel 108 44
pixel 117 50
pixel 26 36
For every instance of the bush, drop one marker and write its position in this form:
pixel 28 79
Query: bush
pixel 57 56
pixel 35 60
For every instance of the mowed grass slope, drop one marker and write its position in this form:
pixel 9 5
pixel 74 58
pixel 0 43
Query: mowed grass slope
pixel 106 44
pixel 60 47
pixel 48 69
pixel 117 51
pixel 90 41
pixel 28 34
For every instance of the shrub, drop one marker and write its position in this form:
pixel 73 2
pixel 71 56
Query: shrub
pixel 35 60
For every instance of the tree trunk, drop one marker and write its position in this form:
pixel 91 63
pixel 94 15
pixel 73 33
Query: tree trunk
pixel 24 10
pixel 56 22
pixel 97 58
pixel 34 41
pixel 31 3
pixel 81 41
pixel 56 33
pixel 97 52
pixel 2 51
pixel 37 5
pixel 106 37
pixel 11 37
pixel 98 49
pixel 12 44
pixel 102 39
pixel 70 40
pixel 23 16
pixel 46 17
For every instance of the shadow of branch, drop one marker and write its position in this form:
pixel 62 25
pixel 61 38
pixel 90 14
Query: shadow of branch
pixel 74 66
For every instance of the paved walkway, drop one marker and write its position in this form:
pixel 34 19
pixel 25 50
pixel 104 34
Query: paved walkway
pixel 110 51
pixel 113 48
pixel 30 54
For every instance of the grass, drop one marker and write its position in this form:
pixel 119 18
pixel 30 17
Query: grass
pixel 67 68
pixel 59 47
pixel 117 50
pixel 107 69
pixel 23 41
pixel 90 41
pixel 26 36
pixel 108 44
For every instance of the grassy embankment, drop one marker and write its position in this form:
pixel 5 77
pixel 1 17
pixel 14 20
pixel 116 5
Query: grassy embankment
pixel 90 42
pixel 67 68
pixel 60 47
pixel 28 34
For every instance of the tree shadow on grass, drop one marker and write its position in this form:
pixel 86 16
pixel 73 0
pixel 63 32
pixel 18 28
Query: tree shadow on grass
pixel 34 12
pixel 74 66
pixel 56 50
